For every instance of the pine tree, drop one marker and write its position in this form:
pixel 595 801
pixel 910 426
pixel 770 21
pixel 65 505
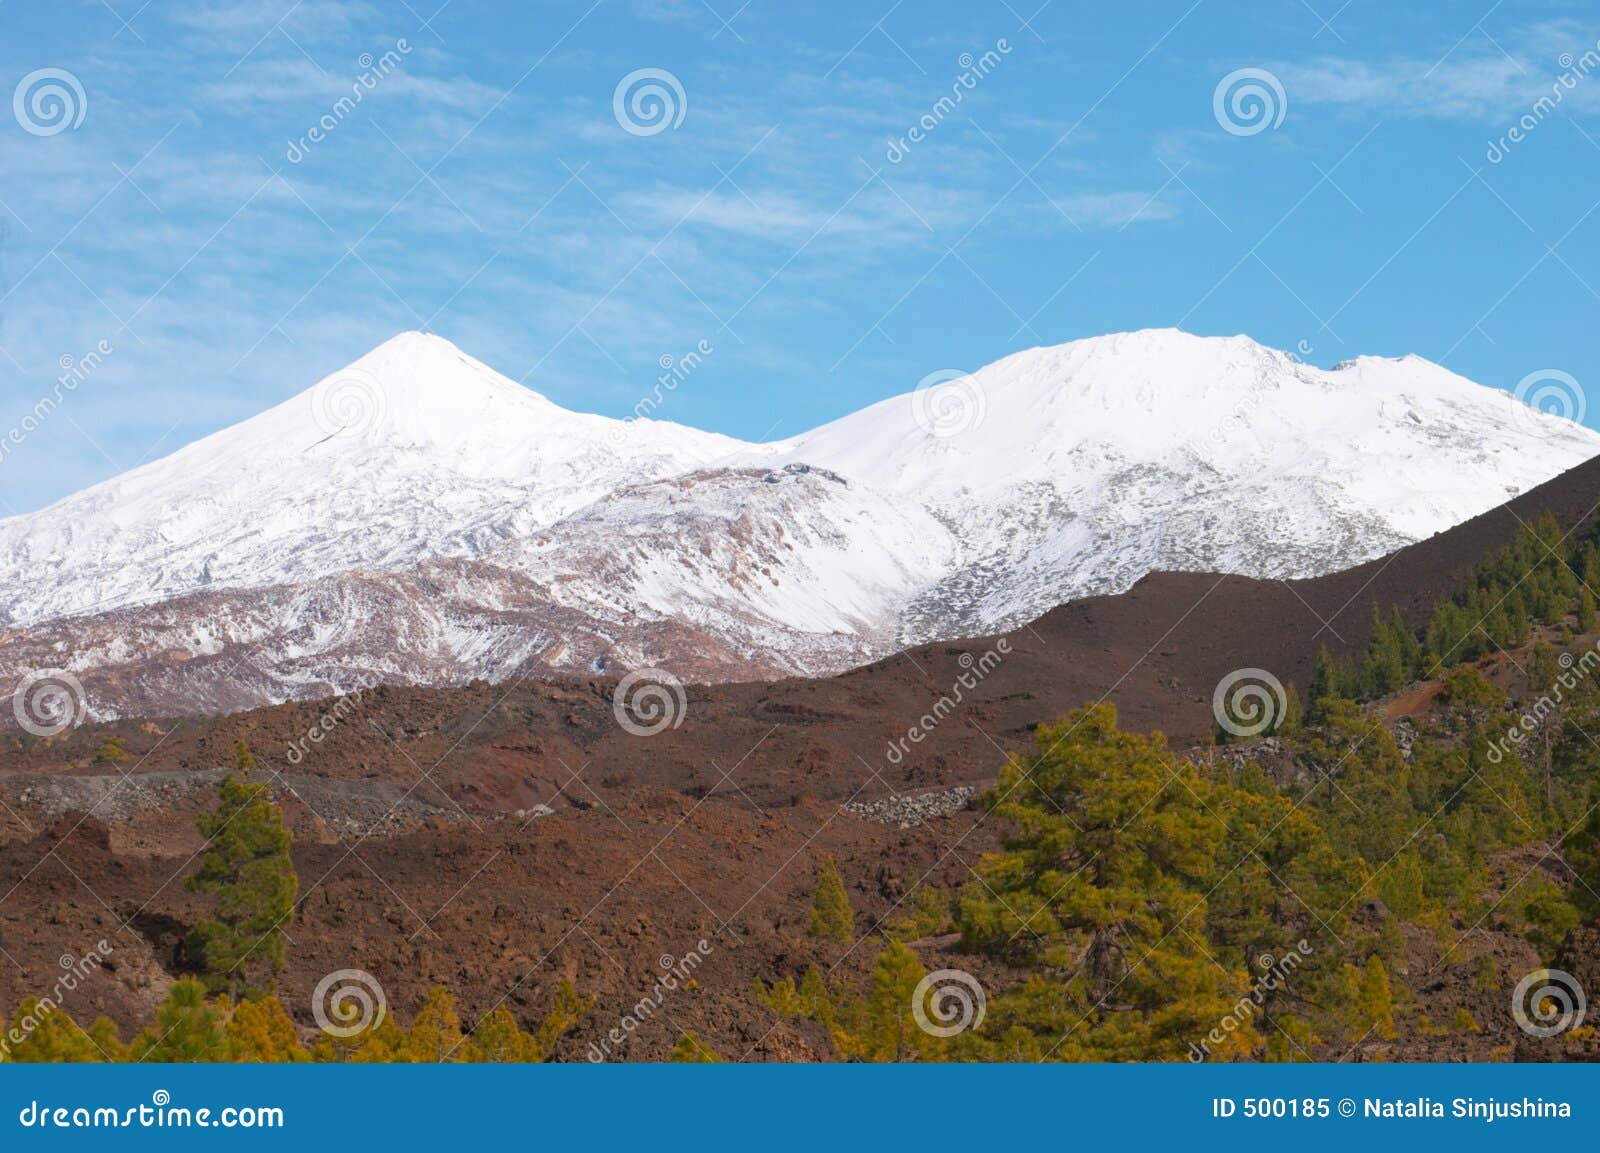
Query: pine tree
pixel 831 917
pixel 243 759
pixel 111 753
pixel 1376 1005
pixel 1410 645
pixel 1114 851
pixel 1582 851
pixel 383 1042
pixel 1449 629
pixel 260 1032
pixel 1326 683
pixel 690 1050
pixel 247 869
pixel 1392 655
pixel 498 1038
pixel 48 1035
pixel 1293 716
pixel 1401 885
pixel 1291 1042
pixel 436 1033
pixel 1468 690
pixel 1586 611
pixel 106 1042
pixel 893 1032
pixel 878 1025
pixel 566 1010
pixel 188 1028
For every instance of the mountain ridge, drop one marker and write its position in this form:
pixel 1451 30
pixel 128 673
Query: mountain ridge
pixel 379 524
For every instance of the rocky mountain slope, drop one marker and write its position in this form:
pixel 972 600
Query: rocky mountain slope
pixel 499 838
pixel 417 518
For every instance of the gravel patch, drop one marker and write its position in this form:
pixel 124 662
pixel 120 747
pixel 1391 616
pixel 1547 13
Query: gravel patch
pixel 907 811
pixel 346 807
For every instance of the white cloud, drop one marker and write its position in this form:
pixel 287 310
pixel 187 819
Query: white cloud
pixel 1477 80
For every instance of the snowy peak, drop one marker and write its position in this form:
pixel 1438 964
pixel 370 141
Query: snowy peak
pixel 417 511
pixel 414 451
pixel 1167 398
pixel 417 389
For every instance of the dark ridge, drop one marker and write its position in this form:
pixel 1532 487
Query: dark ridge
pixel 1157 652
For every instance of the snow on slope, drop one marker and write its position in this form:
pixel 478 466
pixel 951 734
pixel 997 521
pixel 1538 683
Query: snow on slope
pixel 414 451
pixel 418 517
pixel 727 550
pixel 718 574
pixel 1078 469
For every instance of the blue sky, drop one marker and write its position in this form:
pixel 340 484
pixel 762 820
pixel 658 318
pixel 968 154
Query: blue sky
pixel 486 189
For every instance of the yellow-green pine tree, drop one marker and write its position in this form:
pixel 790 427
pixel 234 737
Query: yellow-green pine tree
pixel 690 1050
pixel 261 1032
pixel 498 1038
pixel 892 1030
pixel 436 1033
pixel 1376 1003
pixel 566 1010
pixel 831 917
pixel 51 1036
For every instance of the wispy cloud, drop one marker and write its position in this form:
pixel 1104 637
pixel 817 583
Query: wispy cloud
pixel 1477 79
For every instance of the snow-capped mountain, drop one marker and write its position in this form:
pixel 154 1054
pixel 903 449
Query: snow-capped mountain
pixel 1078 469
pixel 419 518
pixel 414 451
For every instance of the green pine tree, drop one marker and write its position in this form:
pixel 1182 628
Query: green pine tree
pixel 188 1028
pixel 247 868
pixel 1113 855
pixel 1327 683
pixel 1582 851
pixel 1293 715
pixel 892 1032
